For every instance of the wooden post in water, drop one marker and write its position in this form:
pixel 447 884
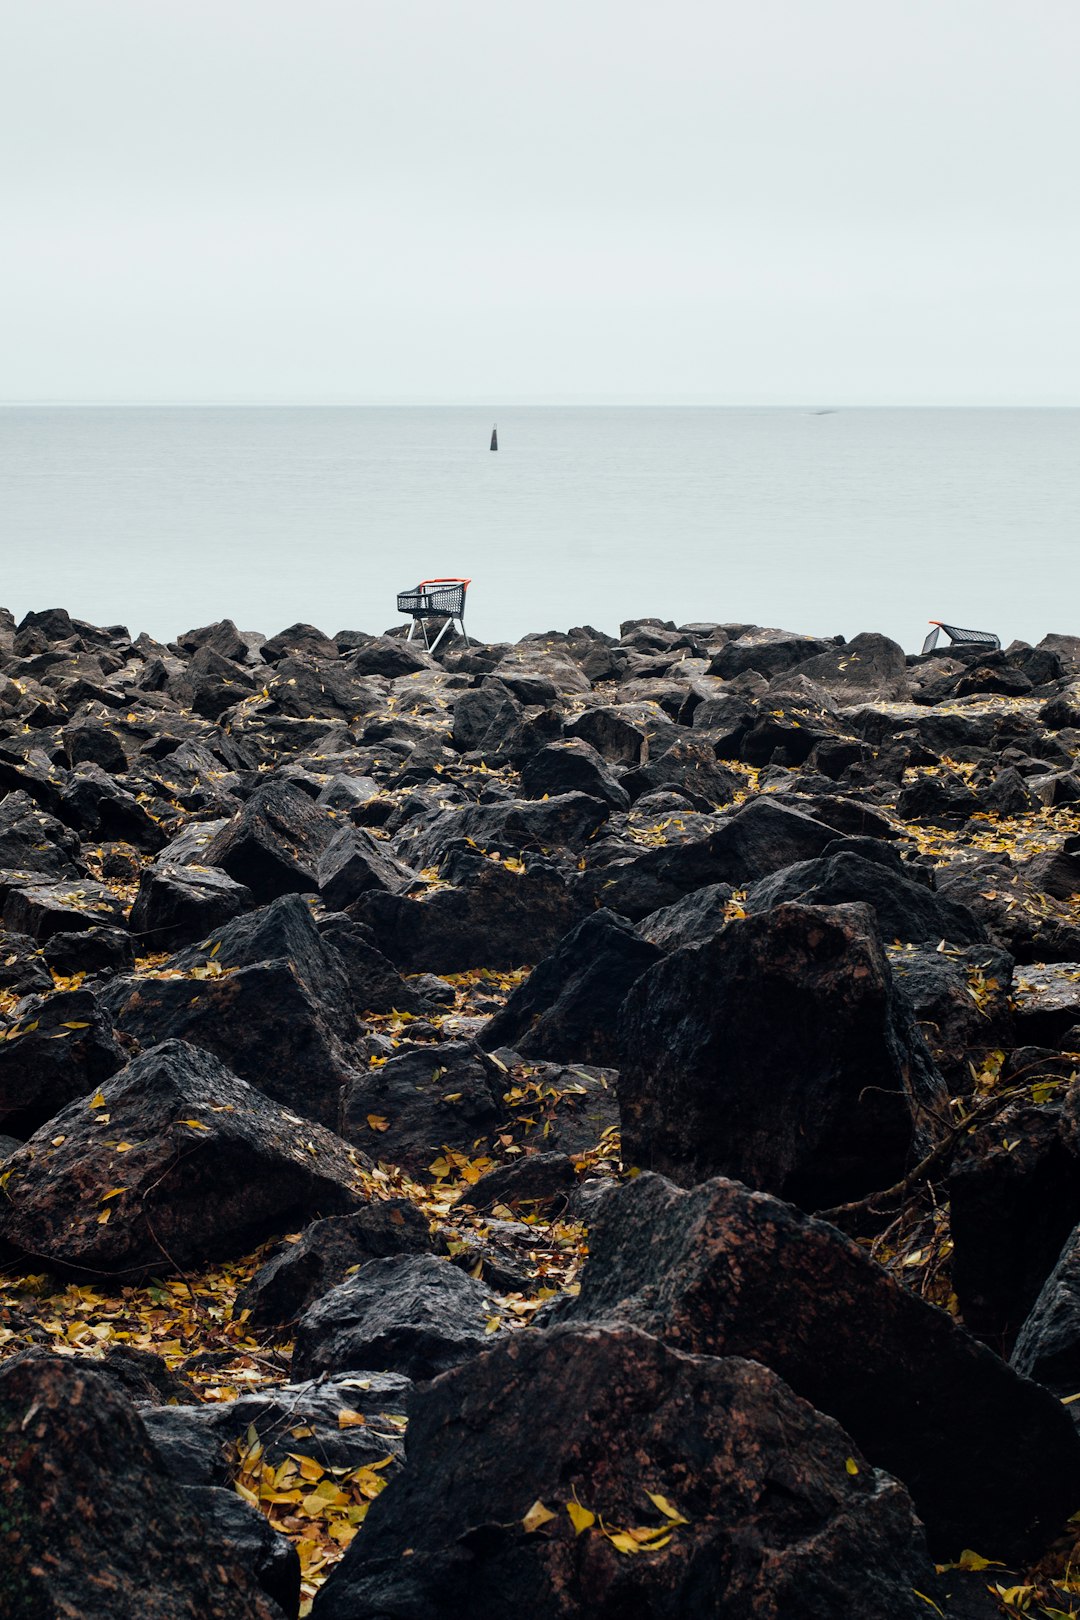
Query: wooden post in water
pixel 495 437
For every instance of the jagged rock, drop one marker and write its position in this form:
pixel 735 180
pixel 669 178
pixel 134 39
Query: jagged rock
pixel 325 1253
pixel 536 1178
pixel 179 1192
pixel 568 1007
pixel 625 1416
pixel 614 735
pixel 485 717
pixel 431 1098
pixel 352 863
pixel 944 797
pixel 98 808
pixel 905 910
pixel 769 652
pixel 222 637
pixel 567 821
pixel 1056 873
pixel 239 1533
pixel 94 1529
pixel 990 1459
pixel 389 656
pixel 412 1314
pixel 1030 925
pixel 1046 1002
pixel 374 984
pixel 572 766
pixel 33 841
pixel 1014 1193
pixel 961 999
pixel 751 842
pixel 273 846
pixel 867 666
pixel 176 905
pixel 1048 1345
pixel 93 950
pixel 44 909
pixel 62 1052
pixel 298 641
pixel 487 918
pixel 691 920
pixel 776 1052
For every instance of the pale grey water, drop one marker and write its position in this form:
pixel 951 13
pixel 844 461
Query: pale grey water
pixel 165 518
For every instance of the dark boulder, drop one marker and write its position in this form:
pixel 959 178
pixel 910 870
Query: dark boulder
pixel 273 846
pixel 44 909
pixel 176 905
pixel 411 1314
pixel 1054 873
pixel 389 656
pixel 509 826
pixel 298 641
pixel 905 910
pixel 961 1000
pixel 237 1532
pixel 33 841
pixel 93 1529
pixel 99 809
pixel 615 735
pixel 869 666
pixel 572 766
pixel 568 1007
pixel 689 767
pixel 302 1271
pixel 1048 1345
pixel 355 861
pixel 93 950
pixel 779 1053
pixel 174 1160
pixel 485 717
pixel 943 797
pixel 63 1052
pixel 490 915
pixel 434 1097
pixel 769 652
pixel 749 843
pixel 535 1178
pixel 755 1505
pixel 990 1459
pixel 1014 1196
pixel 1031 925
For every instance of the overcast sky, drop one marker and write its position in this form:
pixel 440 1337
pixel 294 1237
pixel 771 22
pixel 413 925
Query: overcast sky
pixel 768 201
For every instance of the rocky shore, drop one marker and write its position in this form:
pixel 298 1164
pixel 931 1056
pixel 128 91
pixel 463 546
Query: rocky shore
pixel 581 1127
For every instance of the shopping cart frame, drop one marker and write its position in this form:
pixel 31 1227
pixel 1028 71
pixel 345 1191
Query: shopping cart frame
pixel 437 598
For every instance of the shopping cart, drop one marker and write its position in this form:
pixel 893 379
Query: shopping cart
pixel 436 599
pixel 961 638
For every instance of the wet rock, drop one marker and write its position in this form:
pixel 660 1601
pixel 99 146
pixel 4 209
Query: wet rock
pixel 779 1053
pixel 98 808
pixel 74 1454
pixel 176 904
pixel 1014 1193
pixel 197 1444
pixel 759 838
pixel 374 984
pixel 355 861
pixel 413 1314
pixel 389 656
pixel 712 1438
pixel 1046 1002
pixel 1056 873
pixel 510 826
pixel 95 951
pixel 690 921
pixel 434 1097
pixel 298 641
pixel 1048 1345
pixel 63 1051
pixel 961 999
pixel 990 1459
pixel 273 846
pixel 239 1533
pixel 691 768
pixel 905 910
pixel 44 909
pixel 572 766
pixel 488 916
pixel 537 1178
pixel 33 841
pixel 769 652
pixel 568 1007
pixel 1032 926
pixel 209 1167
pixel 867 666
pixel 325 1253
pixel 613 734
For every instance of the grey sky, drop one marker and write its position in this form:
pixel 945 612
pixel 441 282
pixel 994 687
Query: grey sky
pixel 775 201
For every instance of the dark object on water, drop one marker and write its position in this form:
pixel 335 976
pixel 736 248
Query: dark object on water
pixel 958 637
pixel 495 437
pixel 442 598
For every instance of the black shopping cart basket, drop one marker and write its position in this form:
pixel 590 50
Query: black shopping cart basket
pixel 961 638
pixel 435 599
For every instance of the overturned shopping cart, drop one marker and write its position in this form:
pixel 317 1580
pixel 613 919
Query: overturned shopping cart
pixel 961 638
pixel 435 599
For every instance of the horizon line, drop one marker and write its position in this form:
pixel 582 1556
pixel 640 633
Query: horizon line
pixel 535 402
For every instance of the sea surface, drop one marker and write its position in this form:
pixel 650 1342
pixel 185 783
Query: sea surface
pixel 830 521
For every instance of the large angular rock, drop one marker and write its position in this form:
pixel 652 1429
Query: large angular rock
pixel 568 1007
pixel 1048 1345
pixel 572 766
pixel 764 1514
pixel 273 846
pixel 990 1459
pixel 750 843
pixel 92 1528
pixel 173 1161
pixel 434 1097
pixel 63 1051
pixel 411 1314
pixel 769 652
pixel 776 1052
pixel 962 1002
pixel 44 909
pixel 490 916
pixel 905 910
pixel 566 821
pixel 325 1253
pixel 353 862
pixel 176 904
pixel 869 666
pixel 33 841
pixel 689 767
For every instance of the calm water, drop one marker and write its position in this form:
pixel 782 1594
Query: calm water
pixel 857 519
